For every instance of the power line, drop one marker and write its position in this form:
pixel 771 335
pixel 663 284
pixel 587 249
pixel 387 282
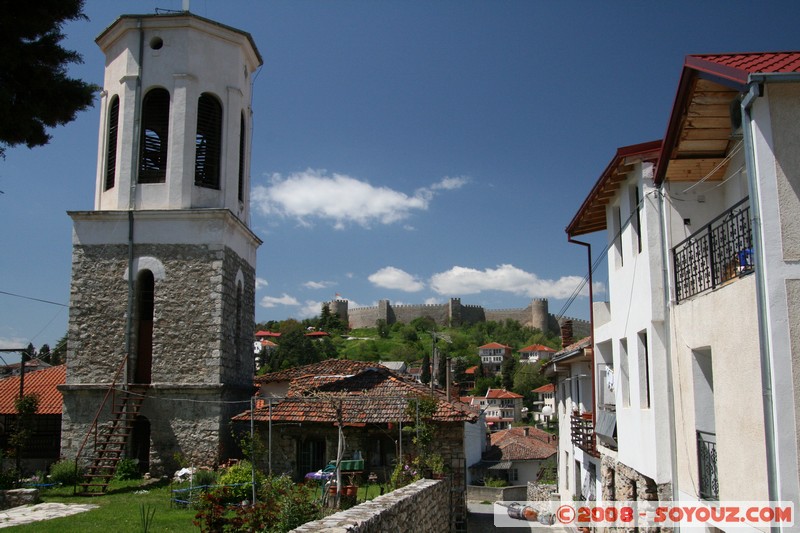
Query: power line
pixel 33 299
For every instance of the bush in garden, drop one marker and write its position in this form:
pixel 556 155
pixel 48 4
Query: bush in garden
pixel 127 469
pixel 241 475
pixel 204 478
pixel 64 472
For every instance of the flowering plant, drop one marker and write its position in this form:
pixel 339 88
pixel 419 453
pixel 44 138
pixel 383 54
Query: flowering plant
pixel 405 472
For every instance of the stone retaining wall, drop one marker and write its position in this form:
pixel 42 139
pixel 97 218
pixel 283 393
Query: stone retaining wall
pixel 477 493
pixel 16 497
pixel 539 492
pixel 420 506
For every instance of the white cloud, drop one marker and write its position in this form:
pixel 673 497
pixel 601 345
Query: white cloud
pixel 340 199
pixel 317 284
pixel 274 301
pixel 8 343
pixel 261 283
pixel 394 278
pixel 506 278
pixel 450 184
pixel 310 309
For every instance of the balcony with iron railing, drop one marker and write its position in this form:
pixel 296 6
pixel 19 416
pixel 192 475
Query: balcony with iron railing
pixel 582 431
pixel 707 465
pixel 720 251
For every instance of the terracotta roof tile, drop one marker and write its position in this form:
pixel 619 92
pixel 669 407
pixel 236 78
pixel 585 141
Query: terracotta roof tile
pixel 328 367
pixel 545 388
pixel 367 393
pixel 537 348
pixel 513 445
pixel 737 67
pixel 494 345
pixel 501 394
pixel 42 383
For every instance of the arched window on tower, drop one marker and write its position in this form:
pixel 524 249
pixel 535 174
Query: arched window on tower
pixel 238 334
pixel 155 136
pixel 111 143
pixel 208 142
pixel 242 141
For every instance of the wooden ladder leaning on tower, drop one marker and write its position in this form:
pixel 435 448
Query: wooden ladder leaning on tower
pixel 103 448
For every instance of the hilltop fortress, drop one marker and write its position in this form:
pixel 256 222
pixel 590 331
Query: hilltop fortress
pixel 454 313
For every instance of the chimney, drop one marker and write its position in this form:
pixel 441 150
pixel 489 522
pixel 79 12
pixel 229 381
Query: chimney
pixel 566 333
pixel 526 430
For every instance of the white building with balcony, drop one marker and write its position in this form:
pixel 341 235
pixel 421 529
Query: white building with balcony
pixel 697 353
pixel 631 419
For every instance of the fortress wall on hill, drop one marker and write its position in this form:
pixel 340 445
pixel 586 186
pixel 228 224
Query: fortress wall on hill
pixel 454 313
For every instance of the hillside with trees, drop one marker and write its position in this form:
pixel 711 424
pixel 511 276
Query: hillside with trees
pixel 413 344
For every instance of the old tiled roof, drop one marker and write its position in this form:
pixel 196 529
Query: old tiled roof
pixel 545 388
pixel 536 348
pixel 502 394
pixel 329 367
pixel 43 383
pixel 366 393
pixel 513 445
pixel 471 370
pixel 263 333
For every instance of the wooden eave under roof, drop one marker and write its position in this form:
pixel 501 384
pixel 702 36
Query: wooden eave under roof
pixel 591 216
pixel 699 133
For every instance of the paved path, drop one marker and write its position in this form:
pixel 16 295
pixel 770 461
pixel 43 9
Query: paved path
pixel 41 511
pixel 481 520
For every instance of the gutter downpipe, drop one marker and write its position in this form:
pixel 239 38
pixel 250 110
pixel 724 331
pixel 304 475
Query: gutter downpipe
pixel 137 117
pixel 673 439
pixel 591 327
pixel 754 90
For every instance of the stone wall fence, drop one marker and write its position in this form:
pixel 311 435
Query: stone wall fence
pixel 419 506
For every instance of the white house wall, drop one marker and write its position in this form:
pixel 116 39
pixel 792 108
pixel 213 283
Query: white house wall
pixel 777 152
pixel 723 322
pixel 636 306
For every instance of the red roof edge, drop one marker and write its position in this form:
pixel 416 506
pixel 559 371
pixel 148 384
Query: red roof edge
pixel 621 153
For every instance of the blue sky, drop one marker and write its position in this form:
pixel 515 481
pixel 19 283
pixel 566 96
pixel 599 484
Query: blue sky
pixel 404 150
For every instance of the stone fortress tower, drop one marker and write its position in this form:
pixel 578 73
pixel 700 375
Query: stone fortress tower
pixel 162 298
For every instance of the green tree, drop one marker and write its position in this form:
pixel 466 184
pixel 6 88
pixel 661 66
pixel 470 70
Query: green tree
pixel 59 354
pixel 35 91
pixel 459 370
pixel 528 377
pixel 44 353
pixel 425 373
pixel 294 349
pixel 383 328
pixel 441 371
pixel 507 371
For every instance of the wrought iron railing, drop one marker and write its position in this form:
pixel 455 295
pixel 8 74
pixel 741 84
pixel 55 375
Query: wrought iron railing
pixel 707 465
pixel 720 251
pixel 582 430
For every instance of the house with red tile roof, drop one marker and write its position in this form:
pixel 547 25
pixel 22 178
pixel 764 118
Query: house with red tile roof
pixel 535 353
pixel 544 406
pixel 492 356
pixel 45 444
pixel 501 407
pixel 516 455
pixel 301 410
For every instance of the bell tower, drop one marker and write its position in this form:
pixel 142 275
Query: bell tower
pixel 163 269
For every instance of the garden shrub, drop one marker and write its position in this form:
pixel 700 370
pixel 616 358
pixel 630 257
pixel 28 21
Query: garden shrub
pixel 241 475
pixel 64 472
pixel 127 469
pixel 204 478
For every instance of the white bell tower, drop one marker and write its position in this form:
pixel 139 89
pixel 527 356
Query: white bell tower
pixel 163 269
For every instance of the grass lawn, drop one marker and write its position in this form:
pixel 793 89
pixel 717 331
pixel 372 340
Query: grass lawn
pixel 119 511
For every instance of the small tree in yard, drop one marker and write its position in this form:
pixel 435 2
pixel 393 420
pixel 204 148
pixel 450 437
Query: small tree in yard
pixel 26 407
